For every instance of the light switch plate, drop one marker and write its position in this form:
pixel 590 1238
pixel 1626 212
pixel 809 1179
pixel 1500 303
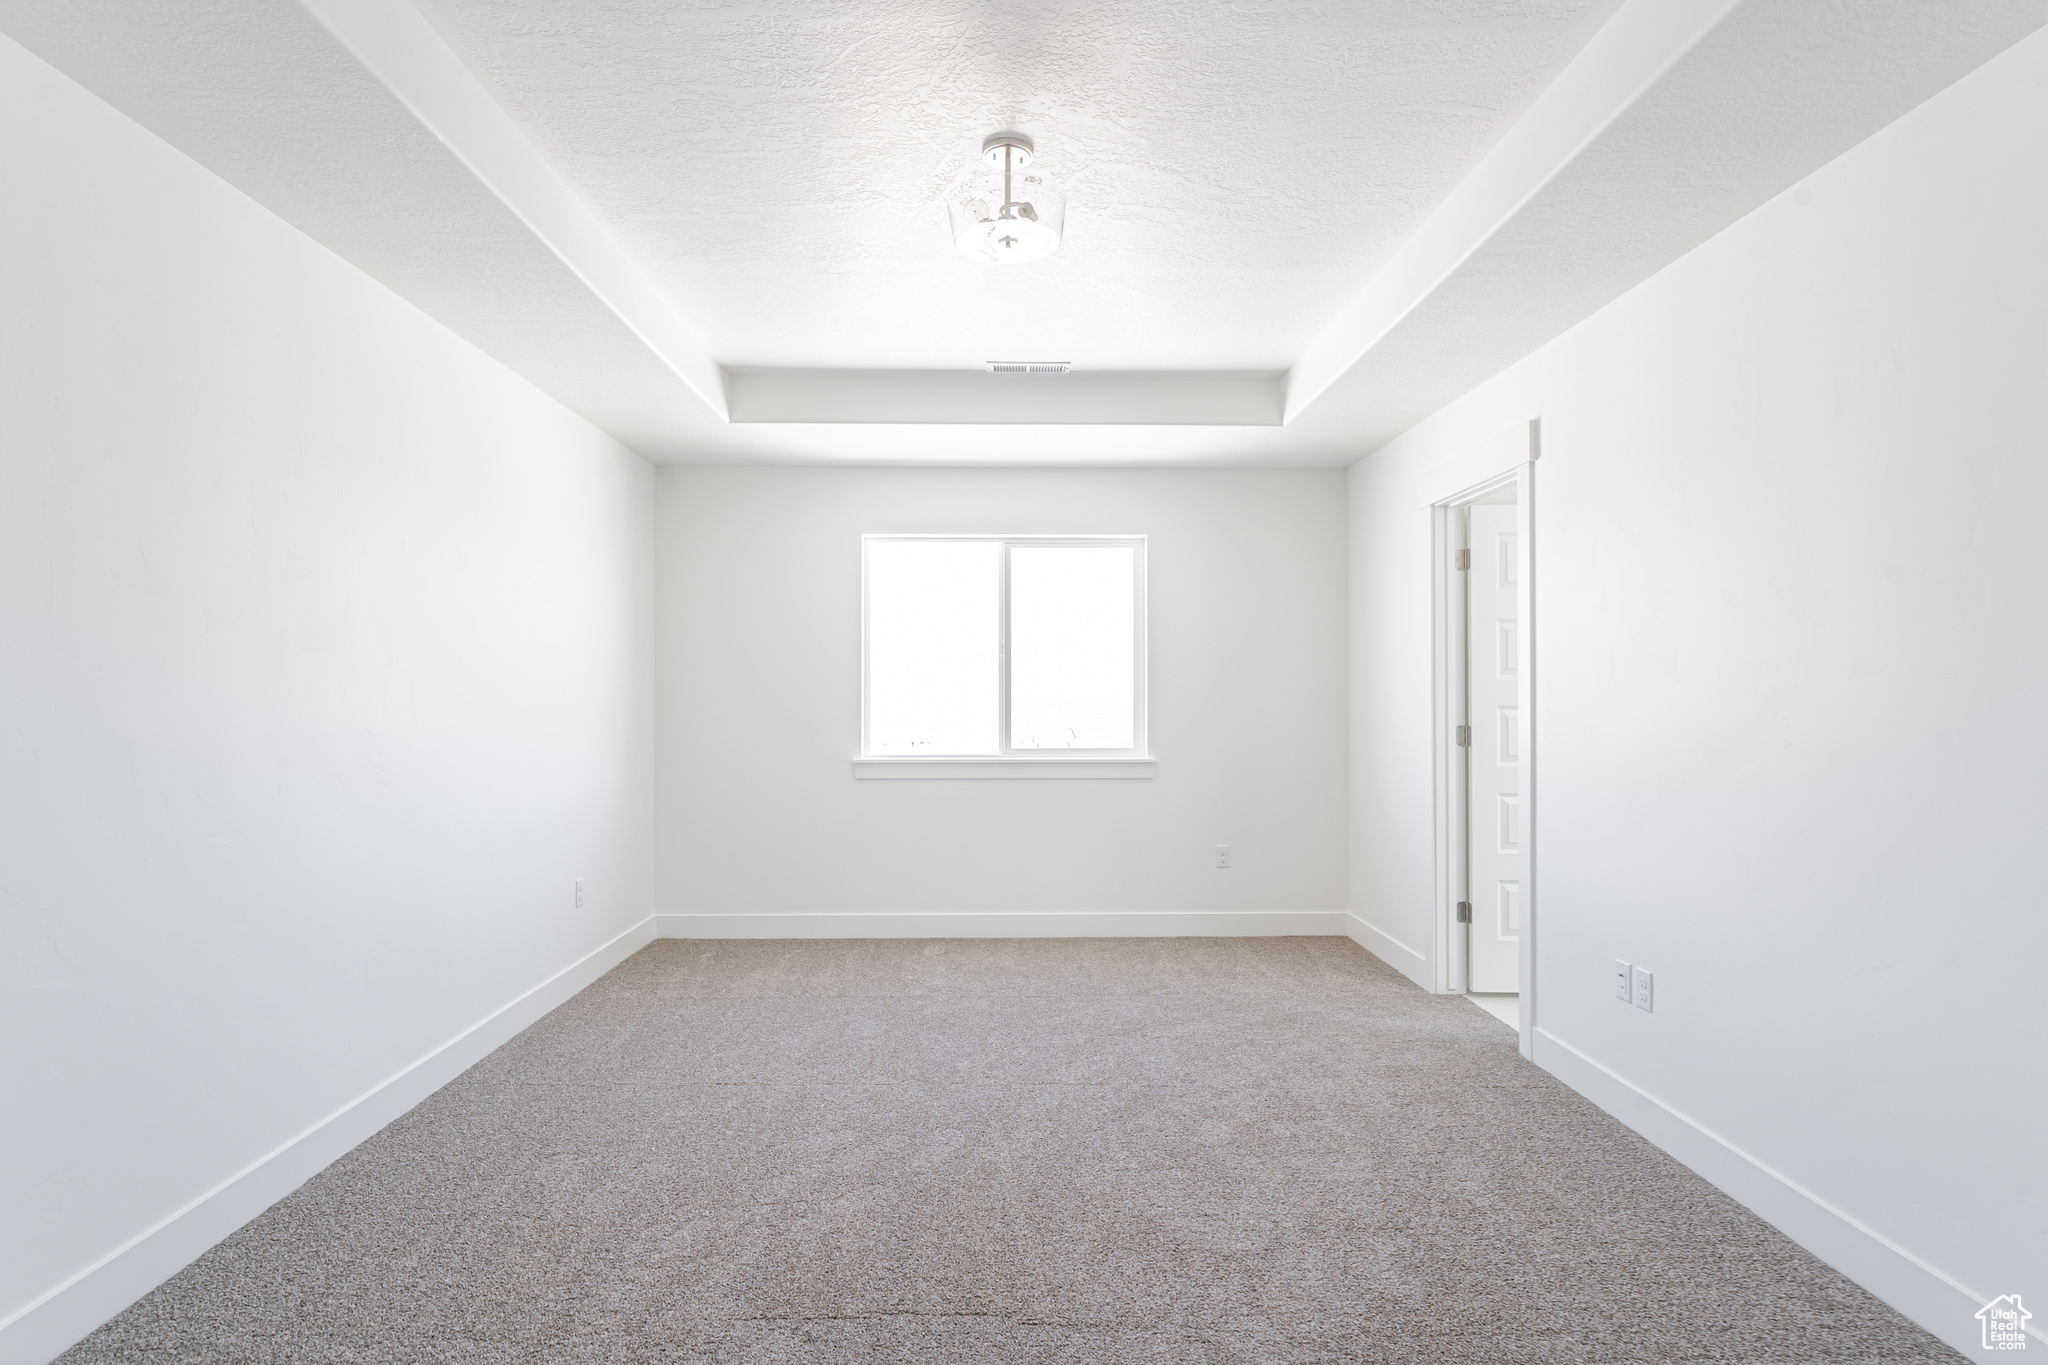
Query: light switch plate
pixel 1624 990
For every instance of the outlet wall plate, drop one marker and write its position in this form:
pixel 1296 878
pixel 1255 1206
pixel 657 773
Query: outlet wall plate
pixel 1645 988
pixel 1624 988
pixel 579 893
pixel 1223 855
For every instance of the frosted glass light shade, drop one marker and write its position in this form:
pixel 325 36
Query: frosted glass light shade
pixel 1026 232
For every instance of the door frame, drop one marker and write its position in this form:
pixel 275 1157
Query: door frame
pixel 1507 460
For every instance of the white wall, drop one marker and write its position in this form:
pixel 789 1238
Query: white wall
pixel 1790 661
pixel 759 609
pixel 327 668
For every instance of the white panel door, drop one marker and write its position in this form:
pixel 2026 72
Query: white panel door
pixel 1492 659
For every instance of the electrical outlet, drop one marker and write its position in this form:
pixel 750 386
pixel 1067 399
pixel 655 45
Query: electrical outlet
pixel 579 893
pixel 1223 855
pixel 1645 988
pixel 1623 990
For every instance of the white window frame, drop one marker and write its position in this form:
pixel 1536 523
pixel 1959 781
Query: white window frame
pixel 1134 762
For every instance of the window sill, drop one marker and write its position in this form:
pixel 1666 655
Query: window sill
pixel 1056 768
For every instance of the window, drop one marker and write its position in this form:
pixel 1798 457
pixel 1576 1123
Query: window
pixel 1003 647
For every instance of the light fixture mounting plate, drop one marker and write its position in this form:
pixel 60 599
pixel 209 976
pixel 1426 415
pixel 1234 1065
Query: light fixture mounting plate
pixel 1019 145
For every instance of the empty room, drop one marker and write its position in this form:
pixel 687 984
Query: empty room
pixel 1023 681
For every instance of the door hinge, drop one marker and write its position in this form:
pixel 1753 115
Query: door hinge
pixel 1464 736
pixel 1462 560
pixel 1464 912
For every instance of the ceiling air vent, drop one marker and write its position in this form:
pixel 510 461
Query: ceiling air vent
pixel 1029 366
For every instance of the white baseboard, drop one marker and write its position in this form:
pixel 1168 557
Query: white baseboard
pixel 1901 1279
pixel 42 1329
pixel 1005 924
pixel 1387 949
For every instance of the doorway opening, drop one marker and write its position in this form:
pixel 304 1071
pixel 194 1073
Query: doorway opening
pixel 1485 790
pixel 1490 911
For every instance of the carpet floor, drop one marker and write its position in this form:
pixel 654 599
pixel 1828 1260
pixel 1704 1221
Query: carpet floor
pixel 1024 1150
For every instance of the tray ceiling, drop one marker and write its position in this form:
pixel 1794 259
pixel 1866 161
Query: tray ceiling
pixel 782 168
pixel 718 229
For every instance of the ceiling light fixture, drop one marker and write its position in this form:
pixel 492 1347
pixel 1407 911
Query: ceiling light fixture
pixel 1014 231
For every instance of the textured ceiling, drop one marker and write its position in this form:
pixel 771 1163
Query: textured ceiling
pixel 1236 173
pixel 782 166
pixel 1770 96
pixel 259 93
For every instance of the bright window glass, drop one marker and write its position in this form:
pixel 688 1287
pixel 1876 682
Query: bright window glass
pixel 1073 647
pixel 982 646
pixel 934 646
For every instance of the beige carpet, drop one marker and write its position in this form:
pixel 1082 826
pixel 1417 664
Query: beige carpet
pixel 1052 1150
